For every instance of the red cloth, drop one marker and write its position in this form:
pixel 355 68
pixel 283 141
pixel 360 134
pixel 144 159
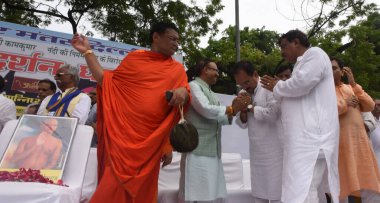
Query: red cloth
pixel 134 123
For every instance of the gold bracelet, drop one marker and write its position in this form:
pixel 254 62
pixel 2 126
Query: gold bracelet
pixel 230 110
pixel 87 52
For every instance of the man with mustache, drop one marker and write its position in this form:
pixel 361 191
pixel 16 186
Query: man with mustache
pixel 69 101
pixel 46 87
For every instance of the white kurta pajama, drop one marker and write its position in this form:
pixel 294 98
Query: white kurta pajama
pixel 310 120
pixel 375 140
pixel 202 177
pixel 265 145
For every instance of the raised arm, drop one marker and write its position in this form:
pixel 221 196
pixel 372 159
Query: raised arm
pixel 81 44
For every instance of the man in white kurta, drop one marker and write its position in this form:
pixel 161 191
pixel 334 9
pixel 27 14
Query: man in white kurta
pixel 7 107
pixel 264 131
pixel 375 129
pixel 310 120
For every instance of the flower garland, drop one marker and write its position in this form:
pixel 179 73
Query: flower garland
pixel 27 175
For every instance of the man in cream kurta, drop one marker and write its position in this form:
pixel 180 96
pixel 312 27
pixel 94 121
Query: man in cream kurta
pixel 79 106
pixel 202 177
pixel 310 119
pixel 264 131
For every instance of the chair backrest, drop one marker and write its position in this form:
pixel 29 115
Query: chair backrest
pixel 78 155
pixel 169 175
pixel 233 170
pixel 247 173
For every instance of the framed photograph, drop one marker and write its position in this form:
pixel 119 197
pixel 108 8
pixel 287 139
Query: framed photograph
pixel 40 143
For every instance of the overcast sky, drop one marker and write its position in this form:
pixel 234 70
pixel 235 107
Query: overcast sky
pixel 276 15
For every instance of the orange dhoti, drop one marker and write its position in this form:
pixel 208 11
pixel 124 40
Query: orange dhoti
pixel 358 169
pixel 134 123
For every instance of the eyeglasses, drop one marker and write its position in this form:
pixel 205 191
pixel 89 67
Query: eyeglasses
pixel 61 74
pixel 173 39
pixel 214 69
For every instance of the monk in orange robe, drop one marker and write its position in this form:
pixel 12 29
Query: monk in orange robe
pixel 134 118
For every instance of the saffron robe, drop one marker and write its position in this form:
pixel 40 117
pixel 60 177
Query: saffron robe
pixel 134 123
pixel 358 169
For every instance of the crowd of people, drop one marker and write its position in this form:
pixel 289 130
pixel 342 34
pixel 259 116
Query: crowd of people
pixel 312 137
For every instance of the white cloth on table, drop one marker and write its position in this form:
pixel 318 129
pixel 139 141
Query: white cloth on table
pixel 309 114
pixel 7 111
pixel 265 145
pixel 44 193
pixel 90 181
pixel 201 183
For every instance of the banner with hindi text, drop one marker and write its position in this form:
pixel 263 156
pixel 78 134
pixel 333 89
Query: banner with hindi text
pixel 29 54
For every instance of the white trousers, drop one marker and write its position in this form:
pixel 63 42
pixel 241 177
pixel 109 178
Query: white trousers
pixel 314 195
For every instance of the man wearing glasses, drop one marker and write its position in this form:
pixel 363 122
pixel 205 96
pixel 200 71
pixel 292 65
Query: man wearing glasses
pixel 68 101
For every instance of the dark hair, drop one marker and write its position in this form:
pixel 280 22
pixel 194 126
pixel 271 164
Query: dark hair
pixel 2 83
pixel 201 64
pixel 160 28
pixel 246 66
pixel 338 61
pixel 51 83
pixel 283 68
pixel 37 106
pixel 295 34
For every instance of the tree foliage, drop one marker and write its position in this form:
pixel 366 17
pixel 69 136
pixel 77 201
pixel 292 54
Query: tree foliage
pixel 43 12
pixel 126 21
pixel 258 46
pixel 7 13
pixel 363 56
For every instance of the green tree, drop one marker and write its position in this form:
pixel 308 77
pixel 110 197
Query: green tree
pixel 258 46
pixel 44 12
pixel 126 21
pixel 363 53
pixel 130 22
pixel 7 13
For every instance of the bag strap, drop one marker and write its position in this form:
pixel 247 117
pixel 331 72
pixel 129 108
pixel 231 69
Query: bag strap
pixel 182 119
